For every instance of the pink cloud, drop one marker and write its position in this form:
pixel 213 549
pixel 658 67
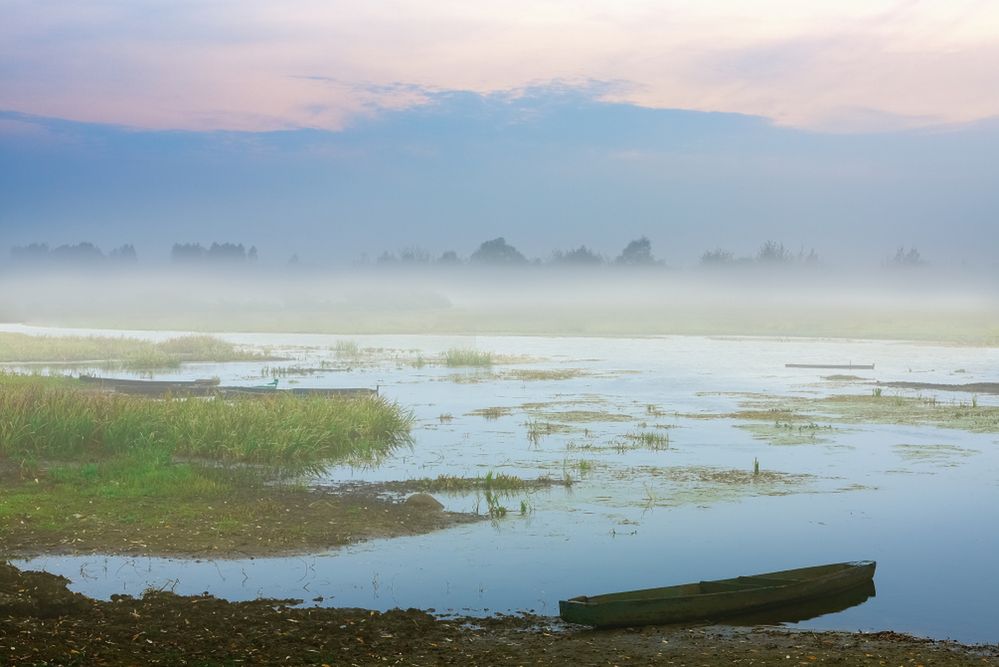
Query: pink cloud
pixel 255 65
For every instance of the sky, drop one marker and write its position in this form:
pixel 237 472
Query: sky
pixel 338 129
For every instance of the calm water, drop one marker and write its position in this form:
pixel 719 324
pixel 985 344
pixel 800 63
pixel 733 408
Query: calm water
pixel 930 522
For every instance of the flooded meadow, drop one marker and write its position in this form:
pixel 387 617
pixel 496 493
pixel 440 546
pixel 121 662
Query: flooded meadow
pixel 639 462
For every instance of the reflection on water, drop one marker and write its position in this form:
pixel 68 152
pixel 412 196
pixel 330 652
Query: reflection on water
pixel 638 516
pixel 809 609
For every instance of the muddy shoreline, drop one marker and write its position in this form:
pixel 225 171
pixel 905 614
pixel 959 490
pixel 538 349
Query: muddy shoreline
pixel 43 623
pixel 286 522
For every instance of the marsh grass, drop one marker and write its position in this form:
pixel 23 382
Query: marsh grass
pixel 46 420
pixel 788 433
pixel 347 349
pixel 650 440
pixel 457 357
pixel 120 352
pixel 580 416
pixel 288 371
pixel 491 413
pixel 494 482
pixel 550 374
pixel 472 377
pixel 160 465
pixel 537 430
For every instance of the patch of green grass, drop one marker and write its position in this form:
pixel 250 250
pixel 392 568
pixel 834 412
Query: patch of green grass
pixel 127 353
pixel 78 463
pixel 456 357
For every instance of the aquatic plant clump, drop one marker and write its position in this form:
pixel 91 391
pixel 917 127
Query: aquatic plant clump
pixel 40 420
pixel 456 357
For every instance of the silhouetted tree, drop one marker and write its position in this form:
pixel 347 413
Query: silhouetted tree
pixel 81 253
pixel 251 254
pixel 637 253
pixel 773 252
pixel 717 257
pixel 498 251
pixel 906 259
pixel 449 257
pixel 183 253
pixel 581 256
pixel 34 252
pixel 811 257
pixel 125 254
pixel 414 255
pixel 227 252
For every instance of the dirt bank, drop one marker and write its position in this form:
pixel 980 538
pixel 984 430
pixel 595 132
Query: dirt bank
pixel 41 623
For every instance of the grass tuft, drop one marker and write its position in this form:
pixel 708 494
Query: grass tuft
pixel 467 357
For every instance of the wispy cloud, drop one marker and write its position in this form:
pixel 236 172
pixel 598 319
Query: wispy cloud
pixel 257 65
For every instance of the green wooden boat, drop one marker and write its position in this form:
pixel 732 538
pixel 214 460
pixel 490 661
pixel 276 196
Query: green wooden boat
pixel 713 600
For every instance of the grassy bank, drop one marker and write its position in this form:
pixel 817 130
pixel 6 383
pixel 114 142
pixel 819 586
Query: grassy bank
pixel 129 468
pixel 120 352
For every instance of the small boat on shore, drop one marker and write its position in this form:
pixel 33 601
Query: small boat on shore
pixel 719 599
pixel 153 387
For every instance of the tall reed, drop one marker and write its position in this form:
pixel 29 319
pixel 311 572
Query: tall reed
pixel 43 420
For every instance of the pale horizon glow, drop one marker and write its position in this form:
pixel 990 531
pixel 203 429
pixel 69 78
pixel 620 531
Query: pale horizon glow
pixel 841 66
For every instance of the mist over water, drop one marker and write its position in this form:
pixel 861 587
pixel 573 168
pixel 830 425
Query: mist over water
pixel 805 301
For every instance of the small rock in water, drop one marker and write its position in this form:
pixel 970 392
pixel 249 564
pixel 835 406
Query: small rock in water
pixel 425 501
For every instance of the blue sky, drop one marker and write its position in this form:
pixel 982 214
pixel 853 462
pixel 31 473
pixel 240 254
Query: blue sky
pixel 338 129
pixel 550 167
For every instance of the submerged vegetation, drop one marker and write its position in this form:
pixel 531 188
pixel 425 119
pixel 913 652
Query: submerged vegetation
pixel 491 413
pixel 704 485
pixel 544 374
pixel 120 352
pixel 806 419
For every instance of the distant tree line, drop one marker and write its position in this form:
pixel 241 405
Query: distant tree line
pixel 771 253
pixel 216 253
pixel 494 252
pixel 497 252
pixel 81 254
